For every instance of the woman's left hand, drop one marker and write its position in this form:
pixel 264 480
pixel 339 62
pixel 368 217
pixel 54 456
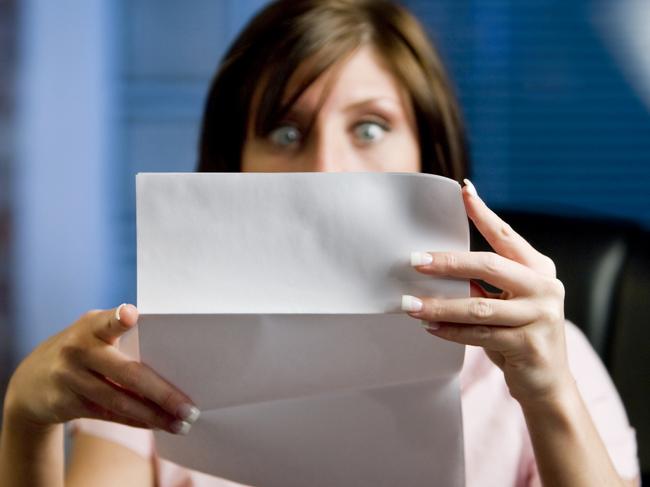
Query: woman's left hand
pixel 521 328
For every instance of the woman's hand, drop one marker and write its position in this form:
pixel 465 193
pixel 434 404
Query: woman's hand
pixel 522 328
pixel 80 373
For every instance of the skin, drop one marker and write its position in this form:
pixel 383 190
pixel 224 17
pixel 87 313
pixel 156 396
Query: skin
pixel 362 121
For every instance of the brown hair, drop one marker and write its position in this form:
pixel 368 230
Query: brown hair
pixel 288 32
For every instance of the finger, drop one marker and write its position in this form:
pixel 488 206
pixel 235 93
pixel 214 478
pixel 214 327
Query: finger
pixel 499 271
pixel 111 324
pixel 142 380
pixel 492 338
pixel 501 236
pixel 120 402
pixel 471 310
pixel 95 411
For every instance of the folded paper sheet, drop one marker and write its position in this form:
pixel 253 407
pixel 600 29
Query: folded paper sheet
pixel 273 301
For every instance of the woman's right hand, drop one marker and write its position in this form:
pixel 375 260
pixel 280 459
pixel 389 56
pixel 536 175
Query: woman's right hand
pixel 80 373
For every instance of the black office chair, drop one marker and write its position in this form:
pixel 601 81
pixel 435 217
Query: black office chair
pixel 605 268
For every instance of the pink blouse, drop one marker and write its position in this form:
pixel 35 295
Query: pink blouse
pixel 498 450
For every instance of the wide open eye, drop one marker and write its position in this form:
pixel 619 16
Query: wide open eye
pixel 369 132
pixel 285 136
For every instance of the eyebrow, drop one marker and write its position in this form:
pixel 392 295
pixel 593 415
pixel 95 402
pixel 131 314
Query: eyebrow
pixel 369 101
pixel 302 114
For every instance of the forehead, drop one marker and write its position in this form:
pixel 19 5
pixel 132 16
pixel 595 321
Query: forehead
pixel 362 75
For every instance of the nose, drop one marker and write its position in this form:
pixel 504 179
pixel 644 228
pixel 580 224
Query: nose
pixel 327 152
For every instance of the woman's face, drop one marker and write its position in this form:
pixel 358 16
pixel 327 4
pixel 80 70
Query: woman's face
pixel 361 121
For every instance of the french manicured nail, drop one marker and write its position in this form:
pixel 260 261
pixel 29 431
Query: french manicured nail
pixel 421 258
pixel 411 303
pixel 117 311
pixel 430 325
pixel 188 413
pixel 471 189
pixel 180 427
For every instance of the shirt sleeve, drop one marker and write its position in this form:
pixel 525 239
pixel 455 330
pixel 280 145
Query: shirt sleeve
pixel 603 403
pixel 137 439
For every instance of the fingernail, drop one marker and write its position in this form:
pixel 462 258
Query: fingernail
pixel 421 258
pixel 471 189
pixel 180 427
pixel 188 413
pixel 117 311
pixel 411 303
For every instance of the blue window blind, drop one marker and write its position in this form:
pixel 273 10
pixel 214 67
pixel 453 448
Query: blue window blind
pixel 553 123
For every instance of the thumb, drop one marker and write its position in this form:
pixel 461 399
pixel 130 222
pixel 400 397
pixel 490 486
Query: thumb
pixel 113 323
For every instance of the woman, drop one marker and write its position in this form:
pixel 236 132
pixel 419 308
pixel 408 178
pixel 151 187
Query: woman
pixel 344 85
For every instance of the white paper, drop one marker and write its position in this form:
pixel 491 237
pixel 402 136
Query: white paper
pixel 291 243
pixel 273 301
